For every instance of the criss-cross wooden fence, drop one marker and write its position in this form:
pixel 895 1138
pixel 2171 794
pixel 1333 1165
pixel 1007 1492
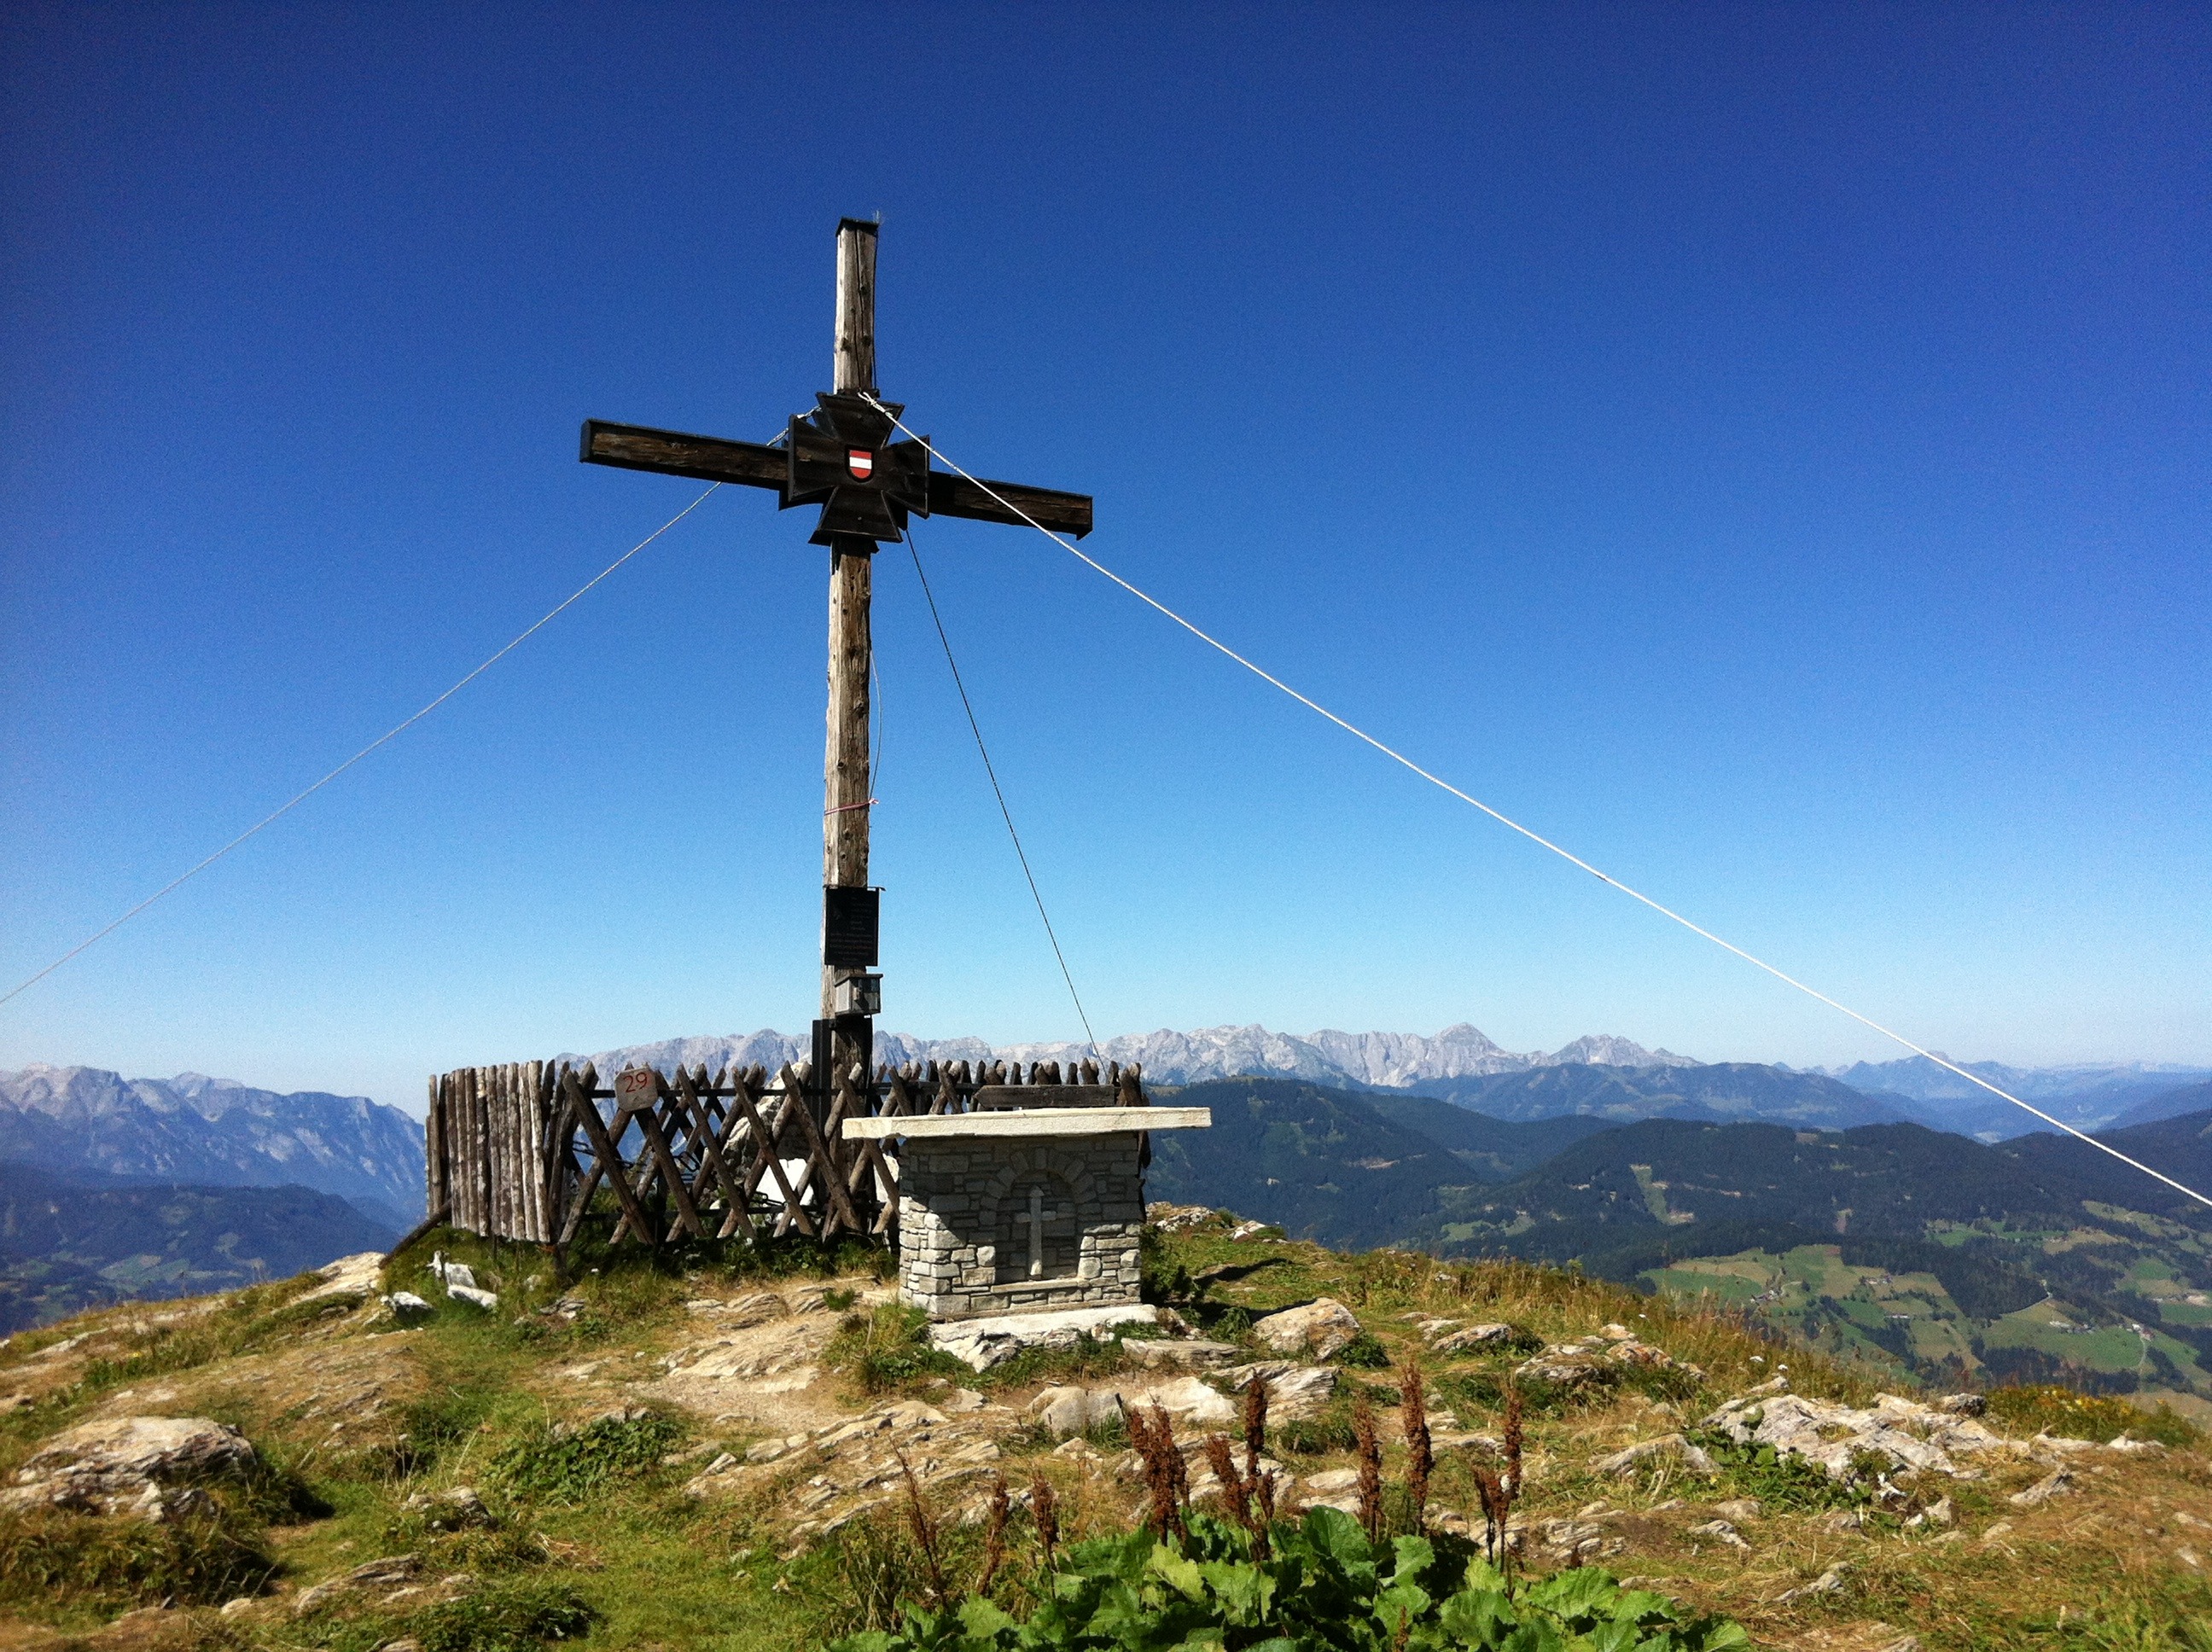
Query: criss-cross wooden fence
pixel 522 1150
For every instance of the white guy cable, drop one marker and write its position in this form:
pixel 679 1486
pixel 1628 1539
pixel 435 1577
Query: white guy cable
pixel 270 819
pixel 1536 837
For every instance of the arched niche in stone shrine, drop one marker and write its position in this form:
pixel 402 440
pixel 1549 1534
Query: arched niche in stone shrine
pixel 1037 1229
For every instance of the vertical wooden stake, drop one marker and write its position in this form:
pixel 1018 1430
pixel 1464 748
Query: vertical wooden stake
pixel 854 366
pixel 845 761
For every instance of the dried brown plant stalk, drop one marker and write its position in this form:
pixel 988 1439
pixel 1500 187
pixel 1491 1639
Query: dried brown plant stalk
pixel 1371 1468
pixel 1492 1498
pixel 994 1533
pixel 1178 1474
pixel 1044 1509
pixel 1499 1492
pixel 1256 1426
pixel 1420 1454
pixel 1166 1484
pixel 1235 1491
pixel 925 1533
pixel 1513 1439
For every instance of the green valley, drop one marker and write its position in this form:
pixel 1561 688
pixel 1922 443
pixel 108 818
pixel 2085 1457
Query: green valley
pixel 2035 1259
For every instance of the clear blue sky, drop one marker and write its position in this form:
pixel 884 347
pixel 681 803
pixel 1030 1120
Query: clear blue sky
pixel 1762 447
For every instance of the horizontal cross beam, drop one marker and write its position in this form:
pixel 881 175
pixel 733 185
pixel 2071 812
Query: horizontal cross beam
pixel 710 458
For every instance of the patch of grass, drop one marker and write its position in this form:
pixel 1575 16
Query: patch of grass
pixel 509 1616
pixel 479 1550
pixel 494 1546
pixel 573 1467
pixel 888 1351
pixel 1327 1430
pixel 2136 1625
pixel 1548 1399
pixel 1362 1353
pixel 131 1352
pixel 1678 1385
pixel 505 1618
pixel 1227 1324
pixel 271 1494
pixel 433 1423
pixel 248 1321
pixel 1468 1393
pixel 52 1561
pixel 793 1255
pixel 1783 1481
pixel 2052 1410
pixel 1089 1357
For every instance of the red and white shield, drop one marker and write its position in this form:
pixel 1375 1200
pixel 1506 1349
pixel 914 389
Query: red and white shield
pixel 861 465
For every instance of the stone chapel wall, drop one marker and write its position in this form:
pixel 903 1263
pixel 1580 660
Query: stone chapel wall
pixel 965 1200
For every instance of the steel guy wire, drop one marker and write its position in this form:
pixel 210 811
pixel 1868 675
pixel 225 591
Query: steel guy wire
pixel 275 815
pixel 1400 757
pixel 975 729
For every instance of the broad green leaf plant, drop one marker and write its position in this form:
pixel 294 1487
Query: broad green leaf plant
pixel 1322 1587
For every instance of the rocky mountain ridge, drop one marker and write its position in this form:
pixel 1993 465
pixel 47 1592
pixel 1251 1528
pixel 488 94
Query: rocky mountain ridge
pixel 2086 1094
pixel 196 1131
pixel 1461 1064
pixel 1375 1060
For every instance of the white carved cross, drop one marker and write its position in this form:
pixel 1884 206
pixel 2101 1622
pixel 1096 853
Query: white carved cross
pixel 1036 1218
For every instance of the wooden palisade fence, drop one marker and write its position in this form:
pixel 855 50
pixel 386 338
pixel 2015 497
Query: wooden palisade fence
pixel 522 1150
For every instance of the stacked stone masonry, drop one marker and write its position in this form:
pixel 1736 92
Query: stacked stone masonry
pixel 1005 1225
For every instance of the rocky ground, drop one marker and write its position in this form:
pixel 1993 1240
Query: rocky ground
pixel 702 1454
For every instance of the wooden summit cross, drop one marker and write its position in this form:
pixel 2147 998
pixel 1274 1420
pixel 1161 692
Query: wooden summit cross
pixel 842 456
pixel 521 1149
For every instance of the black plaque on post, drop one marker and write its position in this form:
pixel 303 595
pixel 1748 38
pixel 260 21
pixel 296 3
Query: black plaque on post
pixel 860 1033
pixel 849 920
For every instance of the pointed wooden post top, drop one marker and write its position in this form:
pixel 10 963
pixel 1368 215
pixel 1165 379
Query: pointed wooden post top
pixel 854 366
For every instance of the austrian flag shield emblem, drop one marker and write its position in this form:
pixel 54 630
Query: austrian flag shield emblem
pixel 862 465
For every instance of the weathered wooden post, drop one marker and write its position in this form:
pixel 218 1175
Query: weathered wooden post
pixel 844 1036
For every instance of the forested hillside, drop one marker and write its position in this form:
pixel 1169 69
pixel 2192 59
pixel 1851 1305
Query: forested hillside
pixel 70 1243
pixel 2036 1256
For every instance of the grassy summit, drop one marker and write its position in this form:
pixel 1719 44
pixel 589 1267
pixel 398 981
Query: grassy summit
pixel 712 1448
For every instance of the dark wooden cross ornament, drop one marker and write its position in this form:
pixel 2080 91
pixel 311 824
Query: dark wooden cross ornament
pixel 844 457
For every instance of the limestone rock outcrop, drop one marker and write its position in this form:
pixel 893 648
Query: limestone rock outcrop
pixel 149 1467
pixel 1321 1327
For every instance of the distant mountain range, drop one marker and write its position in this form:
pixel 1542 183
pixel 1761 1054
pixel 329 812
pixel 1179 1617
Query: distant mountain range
pixel 1722 1092
pixel 2168 1104
pixel 212 1132
pixel 1388 1060
pixel 2086 1094
pixel 1605 1075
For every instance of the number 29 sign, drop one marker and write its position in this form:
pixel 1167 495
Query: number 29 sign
pixel 637 1089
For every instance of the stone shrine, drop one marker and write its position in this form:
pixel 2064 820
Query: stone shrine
pixel 1032 1202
